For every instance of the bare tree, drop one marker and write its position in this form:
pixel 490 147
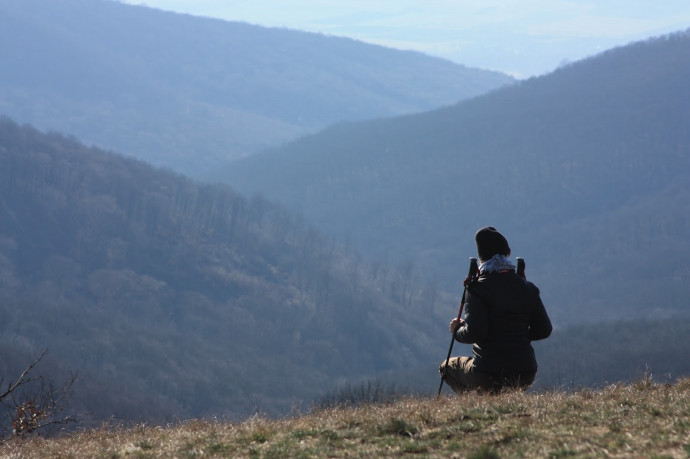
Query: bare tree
pixel 33 403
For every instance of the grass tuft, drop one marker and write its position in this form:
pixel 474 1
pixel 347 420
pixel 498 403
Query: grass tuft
pixel 485 452
pixel 398 426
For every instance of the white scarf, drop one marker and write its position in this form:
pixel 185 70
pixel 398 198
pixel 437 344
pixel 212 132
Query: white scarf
pixel 496 263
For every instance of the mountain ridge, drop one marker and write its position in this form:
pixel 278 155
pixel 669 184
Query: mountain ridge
pixel 192 93
pixel 543 160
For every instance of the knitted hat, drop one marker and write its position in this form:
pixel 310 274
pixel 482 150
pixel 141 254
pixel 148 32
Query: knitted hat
pixel 490 242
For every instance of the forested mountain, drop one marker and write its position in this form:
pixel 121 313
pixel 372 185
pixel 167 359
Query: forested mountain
pixel 173 299
pixel 585 170
pixel 190 93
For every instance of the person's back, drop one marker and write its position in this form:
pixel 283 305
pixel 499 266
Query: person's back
pixel 503 315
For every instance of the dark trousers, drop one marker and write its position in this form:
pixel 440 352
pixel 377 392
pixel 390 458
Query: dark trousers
pixel 461 376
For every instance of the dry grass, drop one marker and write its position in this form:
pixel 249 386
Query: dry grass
pixel 643 419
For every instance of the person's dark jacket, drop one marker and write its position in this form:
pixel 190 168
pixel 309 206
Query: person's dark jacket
pixel 503 314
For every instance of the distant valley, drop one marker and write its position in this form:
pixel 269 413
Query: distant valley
pixel 191 93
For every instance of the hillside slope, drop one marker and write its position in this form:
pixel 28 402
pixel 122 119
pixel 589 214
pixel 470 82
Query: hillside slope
pixel 585 170
pixel 175 299
pixel 643 419
pixel 191 93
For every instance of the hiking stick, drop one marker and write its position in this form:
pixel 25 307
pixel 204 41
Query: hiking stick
pixel 521 267
pixel 473 272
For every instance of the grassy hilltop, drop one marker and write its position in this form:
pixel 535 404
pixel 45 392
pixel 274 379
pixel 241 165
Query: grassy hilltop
pixel 643 419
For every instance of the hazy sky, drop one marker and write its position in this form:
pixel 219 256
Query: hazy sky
pixel 520 37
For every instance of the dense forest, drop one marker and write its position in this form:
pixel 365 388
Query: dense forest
pixel 585 170
pixel 191 93
pixel 172 299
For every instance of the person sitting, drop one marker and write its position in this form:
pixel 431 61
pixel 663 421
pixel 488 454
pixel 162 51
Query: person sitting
pixel 503 315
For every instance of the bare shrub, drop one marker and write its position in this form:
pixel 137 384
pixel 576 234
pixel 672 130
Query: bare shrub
pixel 33 403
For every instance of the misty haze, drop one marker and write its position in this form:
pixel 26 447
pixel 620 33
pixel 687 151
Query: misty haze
pixel 207 218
